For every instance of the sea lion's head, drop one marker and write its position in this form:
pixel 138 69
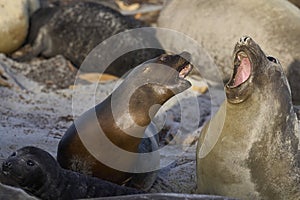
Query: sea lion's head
pixel 28 168
pixel 252 70
pixel 168 71
pixel 161 77
pixel 151 84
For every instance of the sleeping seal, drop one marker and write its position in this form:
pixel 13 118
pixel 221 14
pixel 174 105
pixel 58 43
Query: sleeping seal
pixel 254 154
pixel 74 30
pixel 37 172
pixel 121 120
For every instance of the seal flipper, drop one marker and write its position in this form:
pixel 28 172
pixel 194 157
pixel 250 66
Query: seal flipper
pixel 37 48
pixel 144 181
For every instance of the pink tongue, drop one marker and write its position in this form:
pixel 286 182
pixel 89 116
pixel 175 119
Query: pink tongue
pixel 243 72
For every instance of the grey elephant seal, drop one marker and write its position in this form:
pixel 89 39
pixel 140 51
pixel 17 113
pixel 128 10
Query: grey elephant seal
pixel 123 118
pixel 254 154
pixel 37 172
pixel 76 29
pixel 228 20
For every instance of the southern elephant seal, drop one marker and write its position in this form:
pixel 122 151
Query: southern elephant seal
pixel 254 154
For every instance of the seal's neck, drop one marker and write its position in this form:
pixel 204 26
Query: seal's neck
pixel 126 119
pixel 52 187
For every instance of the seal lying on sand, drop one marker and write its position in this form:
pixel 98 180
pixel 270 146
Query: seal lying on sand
pixel 254 154
pixel 74 30
pixel 37 172
pixel 128 110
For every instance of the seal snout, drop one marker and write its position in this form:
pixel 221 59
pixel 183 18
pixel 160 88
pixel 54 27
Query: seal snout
pixel 244 40
pixel 6 167
pixel 186 55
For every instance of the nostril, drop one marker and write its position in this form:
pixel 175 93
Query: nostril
pixel 244 39
pixel 7 165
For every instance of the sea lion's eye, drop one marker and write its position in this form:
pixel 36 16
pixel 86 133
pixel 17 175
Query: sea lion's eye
pixel 30 163
pixel 163 58
pixel 272 59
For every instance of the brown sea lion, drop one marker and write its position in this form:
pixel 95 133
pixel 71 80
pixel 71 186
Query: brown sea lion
pixel 216 24
pixel 112 132
pixel 254 153
pixel 37 173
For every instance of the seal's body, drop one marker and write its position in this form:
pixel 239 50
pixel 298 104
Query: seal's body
pixel 121 120
pixel 14 22
pixel 37 172
pixel 254 154
pixel 277 19
pixel 75 30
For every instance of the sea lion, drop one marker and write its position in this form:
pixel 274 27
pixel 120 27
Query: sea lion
pixel 74 30
pixel 216 25
pixel 37 173
pixel 128 110
pixel 253 155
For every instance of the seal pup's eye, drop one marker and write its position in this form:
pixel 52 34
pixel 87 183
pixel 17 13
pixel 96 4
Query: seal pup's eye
pixel 30 163
pixel 13 154
pixel 272 59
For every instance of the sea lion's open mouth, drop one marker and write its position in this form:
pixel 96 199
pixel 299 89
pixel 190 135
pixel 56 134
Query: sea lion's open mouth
pixel 242 69
pixel 184 70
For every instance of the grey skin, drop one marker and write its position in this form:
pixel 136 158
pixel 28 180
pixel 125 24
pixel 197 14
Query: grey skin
pixel 75 30
pixel 37 172
pixel 123 117
pixel 254 154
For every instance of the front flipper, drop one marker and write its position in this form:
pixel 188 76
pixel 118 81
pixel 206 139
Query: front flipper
pixel 144 181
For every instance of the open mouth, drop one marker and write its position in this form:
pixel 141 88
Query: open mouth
pixel 242 69
pixel 184 70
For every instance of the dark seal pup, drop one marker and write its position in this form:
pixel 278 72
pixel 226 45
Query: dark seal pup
pixel 37 172
pixel 254 154
pixel 134 104
pixel 74 30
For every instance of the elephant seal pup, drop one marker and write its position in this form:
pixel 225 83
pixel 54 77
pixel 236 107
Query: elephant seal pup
pixel 128 110
pixel 74 30
pixel 253 155
pixel 37 172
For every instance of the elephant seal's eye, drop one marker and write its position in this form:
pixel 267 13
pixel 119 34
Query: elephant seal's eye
pixel 30 163
pixel 272 59
pixel 13 154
